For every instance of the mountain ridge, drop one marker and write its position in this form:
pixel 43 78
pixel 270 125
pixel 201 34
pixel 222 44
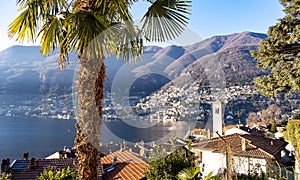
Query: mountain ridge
pixel 19 64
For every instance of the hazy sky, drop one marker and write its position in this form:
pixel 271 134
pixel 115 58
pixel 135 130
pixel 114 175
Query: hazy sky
pixel 209 17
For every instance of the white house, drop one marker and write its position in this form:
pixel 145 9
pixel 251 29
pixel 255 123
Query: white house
pixel 246 154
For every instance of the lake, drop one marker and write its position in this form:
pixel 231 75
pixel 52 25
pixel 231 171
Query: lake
pixel 42 137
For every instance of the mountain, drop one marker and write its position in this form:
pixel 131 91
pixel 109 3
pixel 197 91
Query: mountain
pixel 216 61
pixel 228 56
pixel 23 70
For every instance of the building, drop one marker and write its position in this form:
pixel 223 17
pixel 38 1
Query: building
pixel 233 129
pixel 218 117
pixel 123 165
pixel 243 154
pixel 120 164
pixel 31 169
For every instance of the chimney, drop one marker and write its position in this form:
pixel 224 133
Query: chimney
pixel 243 142
pixel 142 151
pixel 25 156
pixel 61 154
pixel 272 143
pixel 32 163
pixel 114 161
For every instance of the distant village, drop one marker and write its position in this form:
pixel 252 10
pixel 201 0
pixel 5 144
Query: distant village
pixel 53 107
pixel 170 104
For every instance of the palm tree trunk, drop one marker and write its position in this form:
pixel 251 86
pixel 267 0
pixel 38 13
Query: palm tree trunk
pixel 90 86
pixel 85 5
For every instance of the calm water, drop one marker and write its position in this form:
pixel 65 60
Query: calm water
pixel 42 137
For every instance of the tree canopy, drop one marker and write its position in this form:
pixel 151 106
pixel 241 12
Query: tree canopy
pixel 279 53
pixel 167 166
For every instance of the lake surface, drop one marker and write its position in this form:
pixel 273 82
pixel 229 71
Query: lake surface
pixel 42 137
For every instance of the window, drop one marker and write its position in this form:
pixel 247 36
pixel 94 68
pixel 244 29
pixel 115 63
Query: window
pixel 217 111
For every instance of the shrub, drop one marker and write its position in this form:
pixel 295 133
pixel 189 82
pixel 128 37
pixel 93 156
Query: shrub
pixel 58 174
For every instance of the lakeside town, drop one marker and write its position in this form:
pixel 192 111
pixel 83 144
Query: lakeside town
pixel 168 105
pixel 257 150
pixel 272 157
pixel 240 90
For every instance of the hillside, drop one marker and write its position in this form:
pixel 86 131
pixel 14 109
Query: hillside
pixel 226 56
pixel 24 70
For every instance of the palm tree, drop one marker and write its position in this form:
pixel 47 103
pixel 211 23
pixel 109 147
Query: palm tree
pixel 94 29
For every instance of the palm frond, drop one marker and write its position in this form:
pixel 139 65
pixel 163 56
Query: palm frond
pixel 106 29
pixel 87 34
pixel 188 173
pixel 209 176
pixel 53 33
pixel 114 9
pixel 55 28
pixel 166 19
pixel 42 18
pixel 128 41
pixel 25 25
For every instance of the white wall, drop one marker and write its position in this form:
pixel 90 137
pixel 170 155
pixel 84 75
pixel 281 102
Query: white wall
pixel 212 162
pixel 216 161
pixel 243 165
pixel 235 131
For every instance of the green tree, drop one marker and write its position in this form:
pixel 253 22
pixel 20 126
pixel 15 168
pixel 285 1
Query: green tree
pixel 279 53
pixel 94 29
pixel 164 166
pixel 292 134
pixel 273 128
pixel 57 174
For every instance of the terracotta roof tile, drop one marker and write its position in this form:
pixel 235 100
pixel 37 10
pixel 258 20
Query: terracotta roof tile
pixel 128 167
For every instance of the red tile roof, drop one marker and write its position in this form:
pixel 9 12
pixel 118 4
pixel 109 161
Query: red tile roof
pixel 128 167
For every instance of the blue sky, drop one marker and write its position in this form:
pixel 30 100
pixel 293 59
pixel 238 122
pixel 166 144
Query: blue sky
pixel 209 17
